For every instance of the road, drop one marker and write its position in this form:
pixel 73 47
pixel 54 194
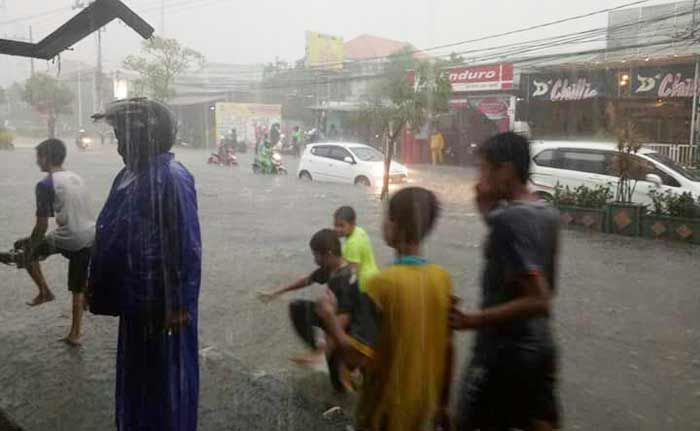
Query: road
pixel 626 313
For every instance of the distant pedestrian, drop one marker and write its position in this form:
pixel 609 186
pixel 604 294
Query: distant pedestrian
pixel 357 248
pixel 437 147
pixel 146 269
pixel 403 344
pixel 297 141
pixel 61 195
pixel 510 382
pixel 333 132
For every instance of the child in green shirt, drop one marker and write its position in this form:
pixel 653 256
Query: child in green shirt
pixel 357 248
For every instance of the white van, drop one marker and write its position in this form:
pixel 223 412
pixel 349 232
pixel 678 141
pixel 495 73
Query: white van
pixel 589 164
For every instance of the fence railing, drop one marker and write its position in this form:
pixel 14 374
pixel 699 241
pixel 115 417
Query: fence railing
pixel 683 154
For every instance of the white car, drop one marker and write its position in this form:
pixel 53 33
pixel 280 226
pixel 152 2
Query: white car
pixel 347 163
pixel 589 164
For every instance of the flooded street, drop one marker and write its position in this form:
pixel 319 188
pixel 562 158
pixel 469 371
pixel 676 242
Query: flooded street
pixel 626 311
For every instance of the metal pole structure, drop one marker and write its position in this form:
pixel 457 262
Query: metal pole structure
pixel 98 72
pixel 80 99
pixel 31 61
pixel 694 114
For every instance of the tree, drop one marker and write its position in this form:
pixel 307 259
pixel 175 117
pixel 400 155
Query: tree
pixel 625 164
pixel 49 97
pixel 162 60
pixel 410 94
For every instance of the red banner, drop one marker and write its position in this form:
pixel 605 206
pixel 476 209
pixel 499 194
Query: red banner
pixel 481 78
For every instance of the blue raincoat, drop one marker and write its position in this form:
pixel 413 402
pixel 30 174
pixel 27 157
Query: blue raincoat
pixel 146 267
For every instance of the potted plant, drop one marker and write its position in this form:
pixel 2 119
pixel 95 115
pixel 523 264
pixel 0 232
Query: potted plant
pixel 583 206
pixel 673 216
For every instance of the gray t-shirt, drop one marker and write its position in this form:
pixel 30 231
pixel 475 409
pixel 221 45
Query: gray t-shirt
pixel 523 239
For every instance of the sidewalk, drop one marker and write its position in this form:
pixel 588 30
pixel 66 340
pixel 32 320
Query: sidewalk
pixel 49 386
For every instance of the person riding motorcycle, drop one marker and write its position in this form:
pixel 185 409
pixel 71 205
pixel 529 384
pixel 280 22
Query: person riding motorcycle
pixel 265 156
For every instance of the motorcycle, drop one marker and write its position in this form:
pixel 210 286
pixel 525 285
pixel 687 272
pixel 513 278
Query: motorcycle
pixel 227 159
pixel 277 167
pixel 83 141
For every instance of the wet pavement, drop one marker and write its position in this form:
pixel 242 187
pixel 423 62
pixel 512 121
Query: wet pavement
pixel 626 312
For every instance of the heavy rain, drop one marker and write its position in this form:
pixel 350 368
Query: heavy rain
pixel 370 216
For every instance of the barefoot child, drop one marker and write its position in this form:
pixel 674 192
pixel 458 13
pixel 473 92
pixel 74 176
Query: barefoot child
pixel 340 277
pixel 357 248
pixel 63 195
pixel 403 341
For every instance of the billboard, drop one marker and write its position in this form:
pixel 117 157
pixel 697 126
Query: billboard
pixel 323 50
pixel 465 79
pixel 246 118
pixel 566 86
pixel 481 78
pixel 664 81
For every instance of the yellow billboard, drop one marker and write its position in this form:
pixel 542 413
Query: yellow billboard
pixel 324 51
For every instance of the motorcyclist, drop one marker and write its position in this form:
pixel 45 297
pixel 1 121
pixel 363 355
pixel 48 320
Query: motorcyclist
pixel 265 156
pixel 80 140
pixel 232 140
pixel 275 134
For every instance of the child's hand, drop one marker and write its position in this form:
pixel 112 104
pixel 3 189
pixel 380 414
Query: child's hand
pixel 460 320
pixel 267 297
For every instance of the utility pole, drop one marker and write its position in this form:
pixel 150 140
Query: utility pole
pixel 98 73
pixel 31 60
pixel 692 28
pixel 97 99
pixel 162 18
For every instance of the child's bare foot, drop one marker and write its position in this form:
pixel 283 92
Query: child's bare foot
pixel 72 341
pixel 41 298
pixel 308 359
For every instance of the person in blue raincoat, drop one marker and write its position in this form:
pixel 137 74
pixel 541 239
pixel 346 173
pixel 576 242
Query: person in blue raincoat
pixel 146 269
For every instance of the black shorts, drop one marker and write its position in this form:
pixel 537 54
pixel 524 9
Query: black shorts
pixel 78 261
pixel 509 392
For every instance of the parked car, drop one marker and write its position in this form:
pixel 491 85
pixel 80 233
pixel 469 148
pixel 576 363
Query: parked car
pixel 347 163
pixel 592 164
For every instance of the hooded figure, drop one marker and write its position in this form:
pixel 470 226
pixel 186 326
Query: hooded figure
pixel 146 269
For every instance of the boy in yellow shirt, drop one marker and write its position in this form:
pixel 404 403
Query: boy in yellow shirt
pixel 400 337
pixel 357 248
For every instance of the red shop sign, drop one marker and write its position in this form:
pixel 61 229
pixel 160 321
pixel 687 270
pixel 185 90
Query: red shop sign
pixel 480 78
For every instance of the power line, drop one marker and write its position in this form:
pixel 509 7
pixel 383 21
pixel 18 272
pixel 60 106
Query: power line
pixel 587 36
pixel 38 15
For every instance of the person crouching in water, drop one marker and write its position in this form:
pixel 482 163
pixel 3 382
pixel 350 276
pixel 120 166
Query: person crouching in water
pixel 341 279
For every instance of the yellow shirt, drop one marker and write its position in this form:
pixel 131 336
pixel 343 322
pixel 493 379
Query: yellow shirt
pixel 404 377
pixel 437 142
pixel 358 249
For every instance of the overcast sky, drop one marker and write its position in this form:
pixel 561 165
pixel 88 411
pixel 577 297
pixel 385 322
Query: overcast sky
pixel 258 31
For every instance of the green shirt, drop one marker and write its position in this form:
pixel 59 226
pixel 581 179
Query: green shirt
pixel 358 249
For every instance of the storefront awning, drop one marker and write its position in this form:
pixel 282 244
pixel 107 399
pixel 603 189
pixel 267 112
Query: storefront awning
pixel 95 16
